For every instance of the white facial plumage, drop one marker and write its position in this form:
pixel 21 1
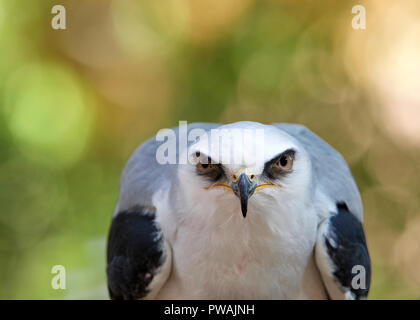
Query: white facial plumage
pixel 246 147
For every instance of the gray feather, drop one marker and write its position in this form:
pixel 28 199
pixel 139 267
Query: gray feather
pixel 143 175
pixel 332 176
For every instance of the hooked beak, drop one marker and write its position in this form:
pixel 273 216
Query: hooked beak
pixel 243 188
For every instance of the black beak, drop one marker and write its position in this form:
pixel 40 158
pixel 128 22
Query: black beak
pixel 243 188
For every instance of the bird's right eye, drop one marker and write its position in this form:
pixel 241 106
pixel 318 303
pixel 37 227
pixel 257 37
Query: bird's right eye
pixel 213 171
pixel 205 167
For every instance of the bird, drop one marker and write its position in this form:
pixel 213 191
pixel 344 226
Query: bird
pixel 282 220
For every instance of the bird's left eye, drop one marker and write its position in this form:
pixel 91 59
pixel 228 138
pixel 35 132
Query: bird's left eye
pixel 284 162
pixel 281 164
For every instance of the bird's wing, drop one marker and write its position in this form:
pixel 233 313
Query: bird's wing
pixel 139 258
pixel 341 252
pixel 342 256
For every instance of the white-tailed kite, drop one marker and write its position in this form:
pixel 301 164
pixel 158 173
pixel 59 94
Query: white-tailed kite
pixel 285 226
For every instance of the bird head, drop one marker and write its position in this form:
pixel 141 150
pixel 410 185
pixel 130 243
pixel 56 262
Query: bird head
pixel 252 162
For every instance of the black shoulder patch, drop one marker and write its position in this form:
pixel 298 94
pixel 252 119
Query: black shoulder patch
pixel 346 245
pixel 134 253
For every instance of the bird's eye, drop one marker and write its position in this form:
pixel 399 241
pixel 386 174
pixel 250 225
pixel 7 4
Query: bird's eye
pixel 213 171
pixel 282 164
pixel 285 162
pixel 202 167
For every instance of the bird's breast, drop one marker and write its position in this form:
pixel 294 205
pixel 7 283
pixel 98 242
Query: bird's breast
pixel 259 257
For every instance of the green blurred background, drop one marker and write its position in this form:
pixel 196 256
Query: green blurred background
pixel 74 104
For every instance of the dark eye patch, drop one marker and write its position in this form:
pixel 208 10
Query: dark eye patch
pixel 210 170
pixel 274 172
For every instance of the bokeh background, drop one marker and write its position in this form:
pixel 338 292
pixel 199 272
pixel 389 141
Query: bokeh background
pixel 74 104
